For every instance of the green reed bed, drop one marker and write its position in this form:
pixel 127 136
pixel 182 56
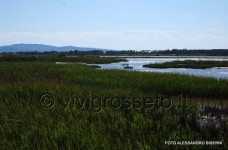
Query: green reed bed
pixel 60 58
pixel 25 123
pixel 189 64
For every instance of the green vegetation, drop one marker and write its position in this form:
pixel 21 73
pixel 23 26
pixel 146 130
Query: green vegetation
pixel 189 64
pixel 60 58
pixel 26 124
pixel 174 52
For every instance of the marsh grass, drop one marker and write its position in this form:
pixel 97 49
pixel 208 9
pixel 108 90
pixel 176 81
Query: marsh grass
pixel 189 64
pixel 25 124
pixel 58 58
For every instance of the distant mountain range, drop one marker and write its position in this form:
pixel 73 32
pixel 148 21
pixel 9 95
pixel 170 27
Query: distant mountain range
pixel 42 48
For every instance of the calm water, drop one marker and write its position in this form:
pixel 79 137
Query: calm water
pixel 137 64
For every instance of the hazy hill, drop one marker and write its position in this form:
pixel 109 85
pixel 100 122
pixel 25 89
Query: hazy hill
pixel 41 48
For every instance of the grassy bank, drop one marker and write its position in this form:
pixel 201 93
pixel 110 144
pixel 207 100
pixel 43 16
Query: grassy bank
pixel 25 123
pixel 189 64
pixel 60 58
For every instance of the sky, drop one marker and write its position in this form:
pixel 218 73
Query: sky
pixel 116 24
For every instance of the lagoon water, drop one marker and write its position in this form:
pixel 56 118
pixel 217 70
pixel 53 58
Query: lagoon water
pixel 137 64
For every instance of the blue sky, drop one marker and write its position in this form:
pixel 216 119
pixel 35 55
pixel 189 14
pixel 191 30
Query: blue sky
pixel 128 24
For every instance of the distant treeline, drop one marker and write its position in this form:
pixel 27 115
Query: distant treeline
pixel 174 52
